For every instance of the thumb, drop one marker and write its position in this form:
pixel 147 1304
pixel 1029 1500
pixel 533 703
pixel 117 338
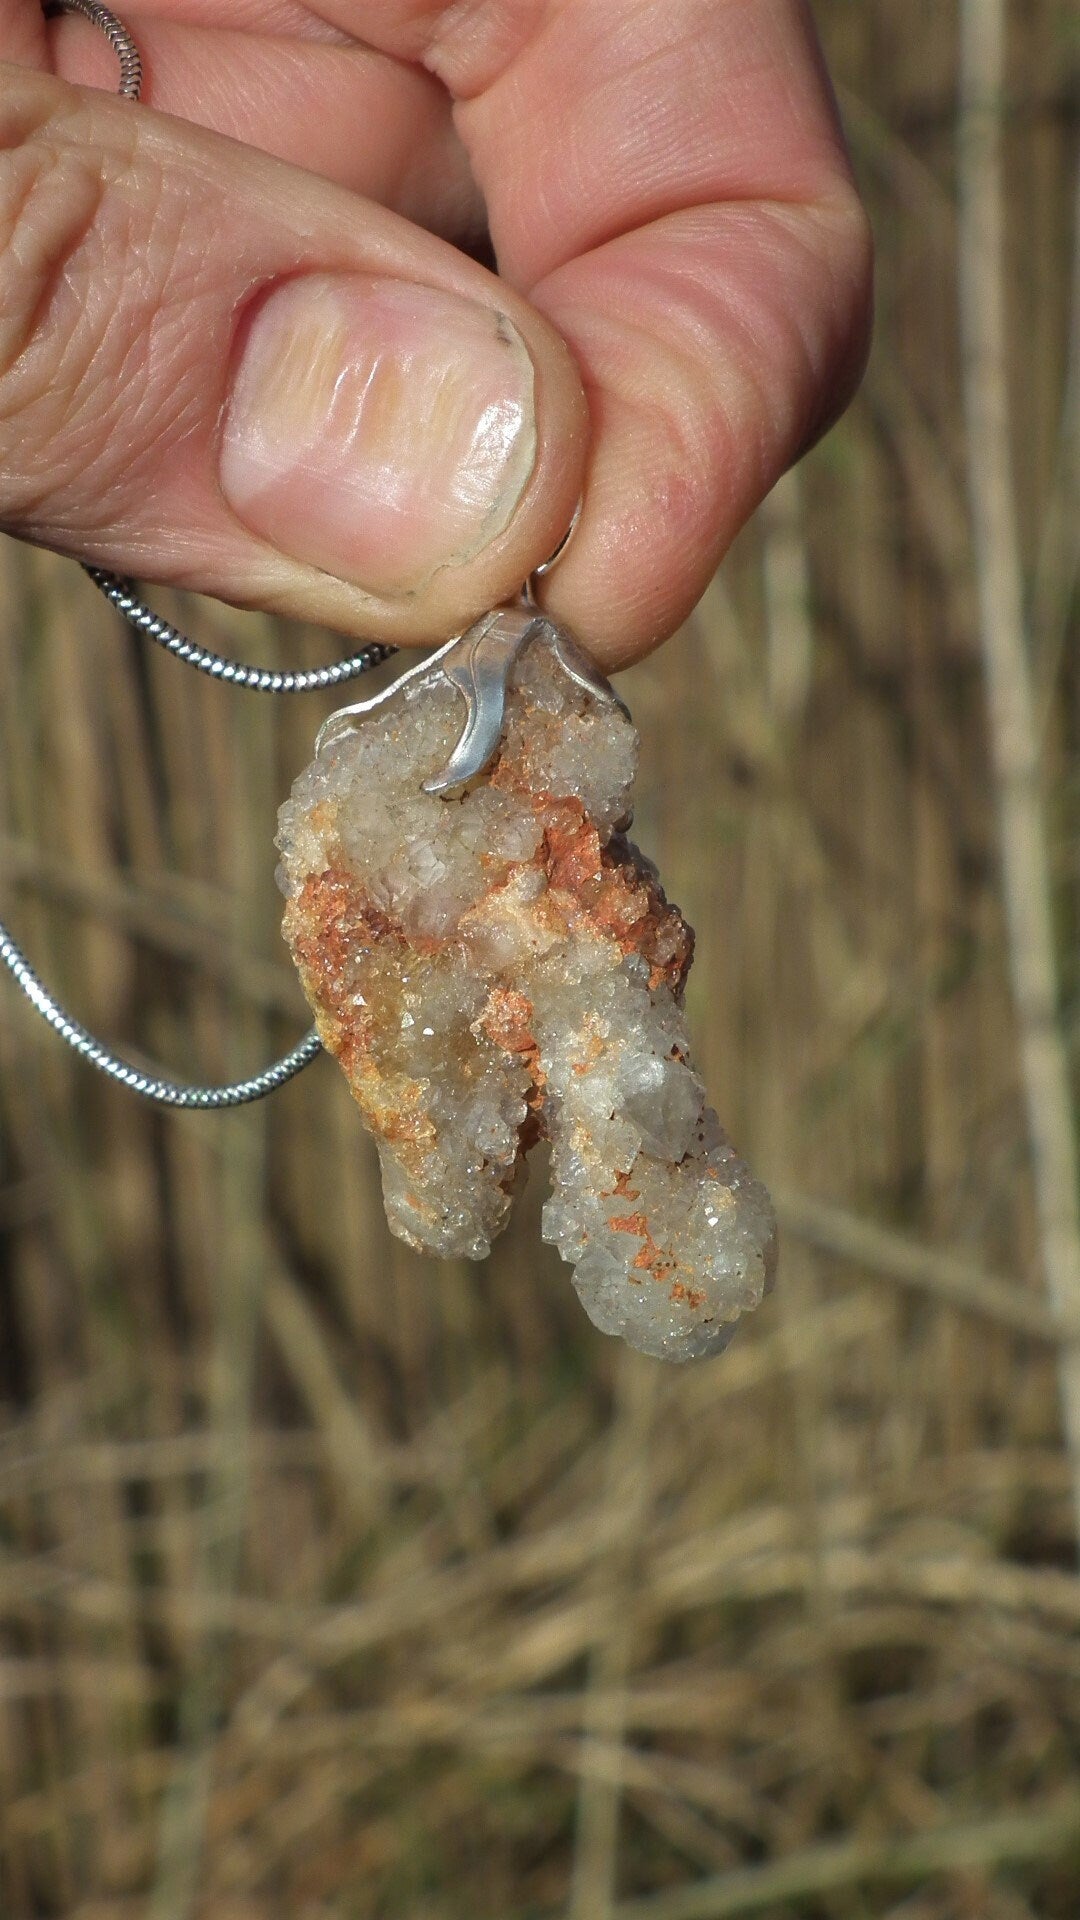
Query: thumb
pixel 220 372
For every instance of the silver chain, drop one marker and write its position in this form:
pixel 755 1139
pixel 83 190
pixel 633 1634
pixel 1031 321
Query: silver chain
pixel 115 33
pixel 153 1086
pixel 168 1093
pixel 234 672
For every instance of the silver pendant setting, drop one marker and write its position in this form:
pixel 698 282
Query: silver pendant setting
pixel 478 664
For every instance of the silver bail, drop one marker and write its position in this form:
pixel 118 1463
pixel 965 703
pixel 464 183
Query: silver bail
pixel 479 666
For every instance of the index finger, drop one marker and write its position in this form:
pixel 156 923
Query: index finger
pixel 669 185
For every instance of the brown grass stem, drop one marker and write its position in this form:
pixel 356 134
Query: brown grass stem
pixel 949 1277
pixel 1013 726
pixel 1036 1833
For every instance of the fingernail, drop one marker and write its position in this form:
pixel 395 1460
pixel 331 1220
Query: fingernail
pixel 377 429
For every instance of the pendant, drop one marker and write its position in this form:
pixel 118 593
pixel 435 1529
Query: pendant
pixel 492 962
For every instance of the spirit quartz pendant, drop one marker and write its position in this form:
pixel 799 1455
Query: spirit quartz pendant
pixel 492 962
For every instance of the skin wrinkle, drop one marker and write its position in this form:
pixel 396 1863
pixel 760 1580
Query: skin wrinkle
pixel 694 459
pixel 681 289
pixel 477 40
pixel 117 445
pixel 845 261
pixel 289 18
pixel 254 88
pixel 21 174
pixel 48 221
pixel 766 329
pixel 408 37
pixel 399 114
pixel 132 439
pixel 656 145
pixel 770 417
pixel 467 44
pixel 685 441
pixel 162 417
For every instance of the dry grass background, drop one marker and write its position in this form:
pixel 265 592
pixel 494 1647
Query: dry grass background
pixel 338 1583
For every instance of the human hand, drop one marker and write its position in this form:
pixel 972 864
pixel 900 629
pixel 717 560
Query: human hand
pixel 265 371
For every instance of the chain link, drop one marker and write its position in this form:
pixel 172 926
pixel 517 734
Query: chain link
pixel 115 33
pixel 152 1086
pixel 234 673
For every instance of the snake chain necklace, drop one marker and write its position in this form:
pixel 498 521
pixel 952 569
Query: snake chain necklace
pixel 492 962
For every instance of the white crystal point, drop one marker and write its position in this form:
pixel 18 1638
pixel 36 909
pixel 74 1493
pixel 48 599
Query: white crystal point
pixel 500 964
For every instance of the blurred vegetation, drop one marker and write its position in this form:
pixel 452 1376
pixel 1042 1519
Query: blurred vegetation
pixel 334 1582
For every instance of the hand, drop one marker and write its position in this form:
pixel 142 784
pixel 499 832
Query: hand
pixel 267 372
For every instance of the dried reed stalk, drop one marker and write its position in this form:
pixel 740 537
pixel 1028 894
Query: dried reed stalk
pixel 958 1282
pixel 1006 652
pixel 236 1273
pixel 789 626
pixel 1057 571
pixel 1039 1832
pixel 627 1490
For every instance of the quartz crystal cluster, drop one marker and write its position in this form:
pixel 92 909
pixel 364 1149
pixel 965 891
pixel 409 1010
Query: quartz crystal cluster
pixel 499 964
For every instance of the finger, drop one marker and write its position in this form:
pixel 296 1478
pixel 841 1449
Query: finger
pixel 687 220
pixel 22 32
pixel 715 346
pixel 221 372
pixel 372 123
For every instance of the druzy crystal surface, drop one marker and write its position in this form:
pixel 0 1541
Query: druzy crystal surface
pixel 499 965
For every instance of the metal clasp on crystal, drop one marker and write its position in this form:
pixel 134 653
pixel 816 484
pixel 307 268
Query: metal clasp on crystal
pixel 479 665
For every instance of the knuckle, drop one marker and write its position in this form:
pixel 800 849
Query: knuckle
pixel 847 250
pixel 80 284
pixel 99 269
pixel 50 195
pixel 853 235
pixel 48 200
